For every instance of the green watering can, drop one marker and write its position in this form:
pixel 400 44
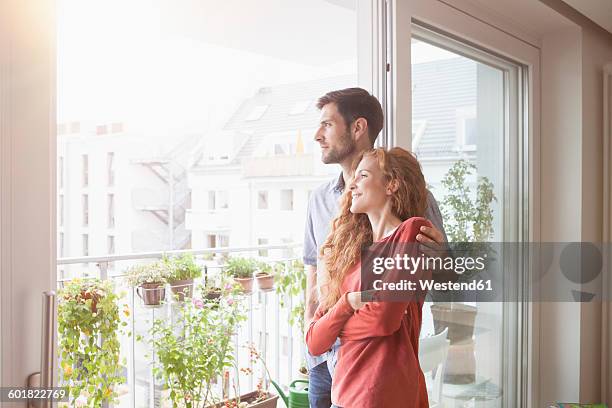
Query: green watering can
pixel 298 394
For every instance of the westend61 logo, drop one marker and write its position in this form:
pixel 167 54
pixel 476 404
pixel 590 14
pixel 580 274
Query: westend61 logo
pixel 486 272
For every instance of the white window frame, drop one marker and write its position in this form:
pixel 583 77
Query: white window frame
pixel 522 347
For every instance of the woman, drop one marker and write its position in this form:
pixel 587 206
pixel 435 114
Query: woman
pixel 378 361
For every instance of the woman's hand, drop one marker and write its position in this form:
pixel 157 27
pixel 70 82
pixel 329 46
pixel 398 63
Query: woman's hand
pixel 357 300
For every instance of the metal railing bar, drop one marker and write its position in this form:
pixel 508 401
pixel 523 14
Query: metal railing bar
pixel 159 254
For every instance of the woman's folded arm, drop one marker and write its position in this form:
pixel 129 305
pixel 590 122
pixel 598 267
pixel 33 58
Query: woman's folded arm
pixel 325 327
pixel 375 319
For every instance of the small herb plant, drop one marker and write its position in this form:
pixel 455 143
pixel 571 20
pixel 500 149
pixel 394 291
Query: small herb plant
pixel 241 268
pixel 89 325
pixel 182 267
pixel 194 352
pixel 156 272
pixel 291 282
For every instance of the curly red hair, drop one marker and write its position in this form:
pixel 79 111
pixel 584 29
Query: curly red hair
pixel 350 232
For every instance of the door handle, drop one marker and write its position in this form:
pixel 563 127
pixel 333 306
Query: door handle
pixel 44 378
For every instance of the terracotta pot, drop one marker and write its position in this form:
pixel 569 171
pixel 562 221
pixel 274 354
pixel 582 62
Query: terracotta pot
pixel 265 281
pixel 270 402
pixel 153 294
pixel 182 289
pixel 461 362
pixel 246 283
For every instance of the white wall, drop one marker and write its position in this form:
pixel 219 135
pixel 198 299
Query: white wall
pixel 571 194
pixel 560 190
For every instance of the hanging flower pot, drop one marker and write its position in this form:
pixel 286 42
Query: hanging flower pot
pixel 242 270
pixel 246 283
pixel 149 281
pixel 182 270
pixel 265 281
pixel 182 289
pixel 152 294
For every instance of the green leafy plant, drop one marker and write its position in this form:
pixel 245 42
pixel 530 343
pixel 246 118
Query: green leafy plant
pixel 156 272
pixel 467 220
pixel 89 325
pixel 182 267
pixel 242 268
pixel 193 351
pixel 290 281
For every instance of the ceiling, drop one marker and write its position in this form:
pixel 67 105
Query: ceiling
pixel 529 16
pixel 599 11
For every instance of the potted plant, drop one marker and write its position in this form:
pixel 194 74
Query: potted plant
pixel 149 281
pixel 182 271
pixel 89 325
pixel 264 276
pixel 469 227
pixel 195 350
pixel 242 270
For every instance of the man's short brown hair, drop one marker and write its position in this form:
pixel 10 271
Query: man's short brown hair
pixel 354 103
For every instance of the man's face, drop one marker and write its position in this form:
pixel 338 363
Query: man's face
pixel 334 136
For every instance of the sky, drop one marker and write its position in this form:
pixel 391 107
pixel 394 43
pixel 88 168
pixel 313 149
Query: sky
pixel 148 63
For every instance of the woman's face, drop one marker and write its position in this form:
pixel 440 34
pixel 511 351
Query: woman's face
pixel 369 187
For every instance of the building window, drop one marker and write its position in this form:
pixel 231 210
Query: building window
pixel 285 346
pixel 85 210
pixel 101 130
pixel 117 127
pixel 75 127
pixel 211 200
pixel 60 210
pixel 257 113
pixel 217 241
pixel 110 244
pixel 217 200
pixel 262 200
pixel 286 197
pixel 60 245
pixel 85 245
pixel 61 128
pixel 85 173
pixel 262 241
pixel 61 171
pixel 221 200
pixel 110 168
pixel 111 211
pixel 211 241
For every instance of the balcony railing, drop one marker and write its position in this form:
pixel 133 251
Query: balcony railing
pixel 266 326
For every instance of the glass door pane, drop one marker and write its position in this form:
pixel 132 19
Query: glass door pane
pixel 189 125
pixel 465 134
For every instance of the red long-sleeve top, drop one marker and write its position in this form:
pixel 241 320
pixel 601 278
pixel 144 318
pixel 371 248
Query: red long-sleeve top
pixel 378 364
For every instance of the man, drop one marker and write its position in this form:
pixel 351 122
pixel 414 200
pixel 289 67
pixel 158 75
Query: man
pixel 351 120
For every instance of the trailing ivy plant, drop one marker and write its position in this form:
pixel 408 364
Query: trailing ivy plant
pixel 291 282
pixel 89 325
pixel 193 351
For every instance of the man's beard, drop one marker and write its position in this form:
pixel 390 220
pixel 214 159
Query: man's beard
pixel 345 148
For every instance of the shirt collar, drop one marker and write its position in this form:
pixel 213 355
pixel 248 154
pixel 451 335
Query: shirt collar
pixel 339 186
